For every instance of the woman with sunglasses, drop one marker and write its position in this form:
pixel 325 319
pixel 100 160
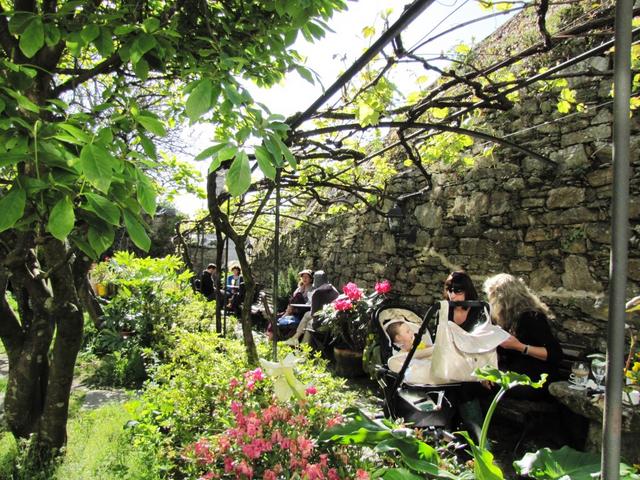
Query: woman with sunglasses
pixel 458 287
pixel 532 348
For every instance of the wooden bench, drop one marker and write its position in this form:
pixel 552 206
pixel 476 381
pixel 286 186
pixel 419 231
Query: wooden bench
pixel 262 307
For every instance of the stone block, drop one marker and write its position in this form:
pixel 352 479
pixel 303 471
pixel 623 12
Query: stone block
pixel 541 234
pixel 429 216
pixel 600 177
pixel 565 197
pixel 634 207
pixel 604 115
pixel 598 232
pixel 514 185
pixel 477 205
pixel 473 246
pixel 577 276
pixel 495 221
pixel 533 202
pixel 633 269
pixel 600 64
pixel 501 234
pixel 459 207
pixel 501 202
pixel 520 266
pixel 521 218
pixel 543 277
pixel 570 216
pixel 468 230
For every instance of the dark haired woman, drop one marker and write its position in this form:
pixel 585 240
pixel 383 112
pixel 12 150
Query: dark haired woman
pixel 458 287
pixel 532 348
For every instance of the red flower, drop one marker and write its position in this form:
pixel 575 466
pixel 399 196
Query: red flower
pixel 352 291
pixel 342 304
pixel 311 390
pixel 362 475
pixel 383 287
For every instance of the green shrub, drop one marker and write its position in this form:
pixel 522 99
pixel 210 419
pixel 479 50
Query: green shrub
pixel 152 301
pixel 189 397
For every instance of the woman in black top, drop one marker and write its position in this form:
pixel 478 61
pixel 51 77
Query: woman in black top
pixel 458 287
pixel 532 348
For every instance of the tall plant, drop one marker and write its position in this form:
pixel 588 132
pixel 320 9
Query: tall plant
pixel 86 90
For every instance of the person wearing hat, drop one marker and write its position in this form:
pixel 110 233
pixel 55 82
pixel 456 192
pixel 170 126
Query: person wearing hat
pixel 322 294
pixel 290 319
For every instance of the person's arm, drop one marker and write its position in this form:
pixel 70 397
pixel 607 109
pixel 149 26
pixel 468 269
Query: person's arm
pixel 534 338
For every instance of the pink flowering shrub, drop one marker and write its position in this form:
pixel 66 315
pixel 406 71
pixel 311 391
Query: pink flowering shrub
pixel 269 440
pixel 347 318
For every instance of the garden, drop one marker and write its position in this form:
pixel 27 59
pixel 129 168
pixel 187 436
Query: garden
pixel 420 158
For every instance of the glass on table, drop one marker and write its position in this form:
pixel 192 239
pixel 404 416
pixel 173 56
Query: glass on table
pixel 579 376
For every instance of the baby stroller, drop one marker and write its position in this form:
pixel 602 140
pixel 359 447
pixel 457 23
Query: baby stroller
pixel 423 405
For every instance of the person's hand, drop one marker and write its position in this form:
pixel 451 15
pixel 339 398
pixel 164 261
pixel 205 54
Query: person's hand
pixel 512 343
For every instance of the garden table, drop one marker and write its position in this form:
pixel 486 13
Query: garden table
pixel 304 306
pixel 591 405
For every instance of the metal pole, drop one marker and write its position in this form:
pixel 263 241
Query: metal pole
pixel 612 425
pixel 409 15
pixel 276 267
pixel 226 273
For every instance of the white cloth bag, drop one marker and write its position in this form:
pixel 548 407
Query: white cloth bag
pixel 457 353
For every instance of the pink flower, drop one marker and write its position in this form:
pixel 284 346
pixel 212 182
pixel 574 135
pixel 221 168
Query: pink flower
pixel 352 291
pixel 256 375
pixel 342 304
pixel 233 383
pixel 269 475
pixel 383 287
pixel 337 420
pixel 228 464
pixel 311 390
pixel 332 474
pixel 236 407
pixel 313 472
pixel 362 475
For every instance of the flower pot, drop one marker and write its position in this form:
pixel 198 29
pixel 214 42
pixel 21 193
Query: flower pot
pixel 101 289
pixel 348 363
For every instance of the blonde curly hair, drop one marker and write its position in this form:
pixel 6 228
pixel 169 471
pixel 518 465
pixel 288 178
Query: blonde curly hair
pixel 509 298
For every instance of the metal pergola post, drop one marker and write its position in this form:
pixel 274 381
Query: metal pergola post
pixel 612 424
pixel 276 267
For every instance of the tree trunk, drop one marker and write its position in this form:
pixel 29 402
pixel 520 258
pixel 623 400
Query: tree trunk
pixel 39 385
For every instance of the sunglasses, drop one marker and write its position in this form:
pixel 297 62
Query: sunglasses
pixel 455 289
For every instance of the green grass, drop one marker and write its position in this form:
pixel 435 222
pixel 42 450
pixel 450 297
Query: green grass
pixel 98 448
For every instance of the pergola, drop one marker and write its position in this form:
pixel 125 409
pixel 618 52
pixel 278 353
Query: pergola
pixel 411 128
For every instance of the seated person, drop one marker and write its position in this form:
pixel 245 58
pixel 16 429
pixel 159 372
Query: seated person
pixel 234 289
pixel 292 315
pixel 532 348
pixel 402 333
pixel 323 293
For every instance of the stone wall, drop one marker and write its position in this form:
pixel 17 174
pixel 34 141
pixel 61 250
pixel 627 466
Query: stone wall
pixel 547 222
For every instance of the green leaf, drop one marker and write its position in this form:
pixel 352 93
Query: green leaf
pixel 51 34
pixel 12 208
pixel 151 124
pixel 104 42
pixel 305 73
pixel 136 231
pixel 84 246
pixel 100 237
pixel 151 24
pixel 76 132
pixel 19 21
pixel 209 152
pixel 201 99
pixel 141 45
pixel 264 162
pixel 274 150
pixel 89 33
pixel 146 194
pixel 103 208
pixel 148 146
pixel 557 464
pixel 400 474
pixel 32 39
pixel 141 69
pixel 239 176
pixel 61 219
pixel 97 165
pixel 227 152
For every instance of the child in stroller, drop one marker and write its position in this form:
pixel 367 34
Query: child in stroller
pixel 409 390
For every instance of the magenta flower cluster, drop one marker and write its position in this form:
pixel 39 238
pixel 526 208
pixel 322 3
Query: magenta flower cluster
pixel 268 440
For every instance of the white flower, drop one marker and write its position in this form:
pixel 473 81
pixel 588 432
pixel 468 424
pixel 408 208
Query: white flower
pixel 285 384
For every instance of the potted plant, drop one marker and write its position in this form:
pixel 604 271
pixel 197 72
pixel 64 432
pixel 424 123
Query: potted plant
pixel 346 320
